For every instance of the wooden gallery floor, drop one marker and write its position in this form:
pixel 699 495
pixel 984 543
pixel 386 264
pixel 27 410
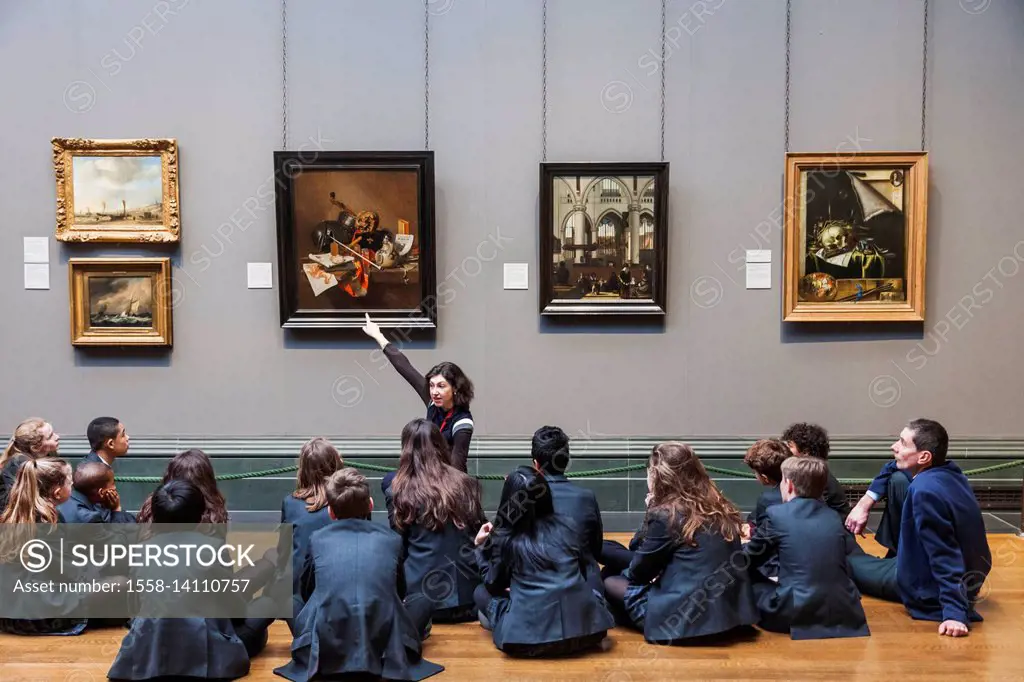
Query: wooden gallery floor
pixel 899 648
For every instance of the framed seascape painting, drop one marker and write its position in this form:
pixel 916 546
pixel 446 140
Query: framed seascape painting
pixel 355 234
pixel 603 238
pixel 120 301
pixel 116 190
pixel 855 235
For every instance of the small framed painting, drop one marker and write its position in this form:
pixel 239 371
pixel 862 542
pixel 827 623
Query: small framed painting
pixel 603 238
pixel 120 301
pixel 855 236
pixel 117 190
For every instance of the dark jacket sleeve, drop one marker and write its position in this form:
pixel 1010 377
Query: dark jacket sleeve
pixel 595 535
pixel 835 496
pixel 763 545
pixel 121 517
pixel 654 552
pixel 460 448
pixel 308 577
pixel 938 539
pixel 408 372
pixel 881 481
pixel 495 571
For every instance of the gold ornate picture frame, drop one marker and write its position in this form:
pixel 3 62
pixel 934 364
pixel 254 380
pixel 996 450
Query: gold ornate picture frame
pixel 120 301
pixel 855 237
pixel 117 190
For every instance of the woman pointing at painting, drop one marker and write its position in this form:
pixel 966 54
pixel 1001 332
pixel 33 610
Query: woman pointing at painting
pixel 445 390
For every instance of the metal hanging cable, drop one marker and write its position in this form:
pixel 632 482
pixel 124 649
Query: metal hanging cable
pixel 284 74
pixel 789 42
pixel 664 29
pixel 924 78
pixel 544 83
pixel 426 74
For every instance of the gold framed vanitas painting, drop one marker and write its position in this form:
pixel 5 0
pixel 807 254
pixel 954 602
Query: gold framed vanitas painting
pixel 855 236
pixel 117 190
pixel 120 301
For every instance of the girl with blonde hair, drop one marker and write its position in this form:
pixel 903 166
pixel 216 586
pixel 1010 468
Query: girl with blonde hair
pixel 33 438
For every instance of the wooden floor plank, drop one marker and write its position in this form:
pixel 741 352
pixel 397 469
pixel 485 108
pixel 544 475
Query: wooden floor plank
pixel 900 648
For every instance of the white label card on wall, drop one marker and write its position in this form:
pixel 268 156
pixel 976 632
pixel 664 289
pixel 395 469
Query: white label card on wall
pixel 759 256
pixel 759 275
pixel 260 275
pixel 37 250
pixel 517 275
pixel 37 275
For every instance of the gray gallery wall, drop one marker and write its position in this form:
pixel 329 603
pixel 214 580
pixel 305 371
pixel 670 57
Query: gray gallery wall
pixel 209 74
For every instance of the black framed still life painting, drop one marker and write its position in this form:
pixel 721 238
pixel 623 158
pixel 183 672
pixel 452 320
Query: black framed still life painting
pixel 355 235
pixel 603 239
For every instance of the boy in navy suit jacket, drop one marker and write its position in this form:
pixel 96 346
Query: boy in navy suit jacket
pixel 94 498
pixel 815 597
pixel 353 621
pixel 108 440
pixel 765 458
pixel 943 556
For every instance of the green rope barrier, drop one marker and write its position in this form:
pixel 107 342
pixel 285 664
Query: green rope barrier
pixel 572 474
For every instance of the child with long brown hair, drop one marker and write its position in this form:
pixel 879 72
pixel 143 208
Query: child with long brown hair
pixel 306 507
pixel 436 509
pixel 33 438
pixel 691 545
pixel 195 467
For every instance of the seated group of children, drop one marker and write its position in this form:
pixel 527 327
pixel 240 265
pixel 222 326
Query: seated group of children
pixel 365 594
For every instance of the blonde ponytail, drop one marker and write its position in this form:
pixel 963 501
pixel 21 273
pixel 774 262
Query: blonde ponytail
pixel 27 437
pixel 29 501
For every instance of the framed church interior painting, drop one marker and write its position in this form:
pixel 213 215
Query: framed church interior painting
pixel 603 238
pixel 120 301
pixel 116 190
pixel 855 235
pixel 355 235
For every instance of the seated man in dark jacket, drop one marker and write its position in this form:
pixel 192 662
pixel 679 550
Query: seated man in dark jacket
pixel 815 597
pixel 943 558
pixel 550 449
pixel 94 498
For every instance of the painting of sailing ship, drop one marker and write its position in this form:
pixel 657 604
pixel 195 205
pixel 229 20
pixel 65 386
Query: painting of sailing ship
pixel 116 191
pixel 120 301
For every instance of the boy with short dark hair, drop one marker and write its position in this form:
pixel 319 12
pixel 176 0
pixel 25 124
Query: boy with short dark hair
pixel 108 440
pixel 94 499
pixel 815 597
pixel 352 585
pixel 550 451
pixel 205 648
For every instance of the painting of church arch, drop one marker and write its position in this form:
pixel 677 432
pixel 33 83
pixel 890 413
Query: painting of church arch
pixel 855 236
pixel 604 238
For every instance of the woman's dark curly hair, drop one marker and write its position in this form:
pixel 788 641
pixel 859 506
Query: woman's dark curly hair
pixel 462 387
pixel 810 439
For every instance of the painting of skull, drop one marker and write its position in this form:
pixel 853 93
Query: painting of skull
pixel 855 237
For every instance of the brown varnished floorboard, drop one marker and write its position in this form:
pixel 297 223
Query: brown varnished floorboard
pixel 899 648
